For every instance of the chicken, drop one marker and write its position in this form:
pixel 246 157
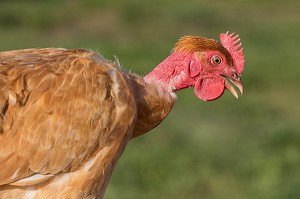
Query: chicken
pixel 67 115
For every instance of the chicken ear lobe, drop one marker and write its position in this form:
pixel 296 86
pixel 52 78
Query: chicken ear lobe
pixel 192 70
pixel 209 89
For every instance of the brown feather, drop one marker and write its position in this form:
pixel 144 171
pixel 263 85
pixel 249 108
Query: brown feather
pixel 66 117
pixel 153 106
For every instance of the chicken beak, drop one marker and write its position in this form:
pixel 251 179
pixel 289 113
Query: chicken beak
pixel 235 81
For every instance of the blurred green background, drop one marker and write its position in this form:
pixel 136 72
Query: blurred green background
pixel 246 148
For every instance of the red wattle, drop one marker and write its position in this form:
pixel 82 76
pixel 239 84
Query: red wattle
pixel 209 88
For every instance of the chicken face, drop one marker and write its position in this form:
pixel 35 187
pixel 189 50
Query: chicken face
pixel 215 74
pixel 214 67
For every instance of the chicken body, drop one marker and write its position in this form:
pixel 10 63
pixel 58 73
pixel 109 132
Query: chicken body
pixel 66 117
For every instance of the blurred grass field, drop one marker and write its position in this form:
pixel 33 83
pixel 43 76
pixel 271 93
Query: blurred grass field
pixel 226 149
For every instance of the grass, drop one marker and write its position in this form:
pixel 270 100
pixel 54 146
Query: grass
pixel 226 149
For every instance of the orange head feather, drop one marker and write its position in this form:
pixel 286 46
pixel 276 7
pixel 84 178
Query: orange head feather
pixel 192 44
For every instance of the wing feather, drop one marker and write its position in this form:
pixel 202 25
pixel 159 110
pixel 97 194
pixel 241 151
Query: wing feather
pixel 65 106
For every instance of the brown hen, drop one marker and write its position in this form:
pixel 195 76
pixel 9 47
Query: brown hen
pixel 67 115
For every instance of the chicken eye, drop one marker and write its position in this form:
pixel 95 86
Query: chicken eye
pixel 216 60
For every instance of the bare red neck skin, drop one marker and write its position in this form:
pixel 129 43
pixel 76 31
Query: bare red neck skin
pixel 169 75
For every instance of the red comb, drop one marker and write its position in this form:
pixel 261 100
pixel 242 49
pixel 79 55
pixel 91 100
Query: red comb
pixel 232 43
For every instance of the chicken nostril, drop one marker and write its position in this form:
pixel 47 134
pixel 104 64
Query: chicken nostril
pixel 235 75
